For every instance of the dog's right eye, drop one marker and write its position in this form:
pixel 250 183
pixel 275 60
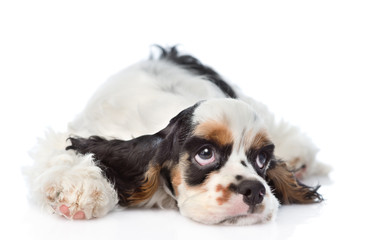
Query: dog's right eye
pixel 205 156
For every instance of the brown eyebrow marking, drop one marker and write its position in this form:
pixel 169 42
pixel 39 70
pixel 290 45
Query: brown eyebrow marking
pixel 259 140
pixel 215 131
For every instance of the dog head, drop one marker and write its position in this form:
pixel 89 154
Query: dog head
pixel 215 159
pixel 219 176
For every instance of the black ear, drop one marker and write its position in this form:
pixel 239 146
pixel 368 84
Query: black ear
pixel 127 164
pixel 175 134
pixel 134 166
pixel 287 188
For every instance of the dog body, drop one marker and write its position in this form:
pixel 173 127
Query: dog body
pixel 170 132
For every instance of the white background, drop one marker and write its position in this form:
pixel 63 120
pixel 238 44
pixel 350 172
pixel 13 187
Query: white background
pixel 311 62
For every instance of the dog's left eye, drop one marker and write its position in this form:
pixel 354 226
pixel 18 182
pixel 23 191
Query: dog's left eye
pixel 261 160
pixel 205 156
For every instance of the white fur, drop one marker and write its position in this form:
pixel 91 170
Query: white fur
pixel 61 177
pixel 139 100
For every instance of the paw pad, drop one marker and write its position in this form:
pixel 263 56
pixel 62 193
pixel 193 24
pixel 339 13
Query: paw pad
pixel 65 211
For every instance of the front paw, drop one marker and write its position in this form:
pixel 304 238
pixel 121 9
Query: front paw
pixel 78 202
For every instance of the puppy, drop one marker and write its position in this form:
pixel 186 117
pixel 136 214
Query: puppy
pixel 170 132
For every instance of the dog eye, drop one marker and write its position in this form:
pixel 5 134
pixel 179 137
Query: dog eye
pixel 261 160
pixel 205 156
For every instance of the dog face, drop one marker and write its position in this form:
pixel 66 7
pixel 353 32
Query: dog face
pixel 215 159
pixel 220 174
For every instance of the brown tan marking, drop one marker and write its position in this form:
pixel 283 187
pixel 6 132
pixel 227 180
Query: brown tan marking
pixel 215 131
pixel 226 194
pixel 148 188
pixel 176 179
pixel 260 140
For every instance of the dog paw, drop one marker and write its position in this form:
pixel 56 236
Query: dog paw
pixel 77 202
pixel 80 194
pixel 74 187
pixel 86 200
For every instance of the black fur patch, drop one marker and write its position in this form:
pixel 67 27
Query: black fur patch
pixel 175 135
pixel 165 173
pixel 194 65
pixel 196 174
pixel 124 163
pixel 252 155
pixel 238 177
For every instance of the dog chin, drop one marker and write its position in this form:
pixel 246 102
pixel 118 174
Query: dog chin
pixel 248 219
pixel 243 219
pixel 236 212
pixel 256 214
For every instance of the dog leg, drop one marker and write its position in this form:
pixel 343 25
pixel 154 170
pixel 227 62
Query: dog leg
pixel 68 184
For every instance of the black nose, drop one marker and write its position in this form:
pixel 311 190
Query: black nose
pixel 253 192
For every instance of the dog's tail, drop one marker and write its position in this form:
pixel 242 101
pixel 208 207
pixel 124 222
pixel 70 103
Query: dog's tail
pixel 194 66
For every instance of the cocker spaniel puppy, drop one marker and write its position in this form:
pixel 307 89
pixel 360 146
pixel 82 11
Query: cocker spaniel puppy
pixel 170 132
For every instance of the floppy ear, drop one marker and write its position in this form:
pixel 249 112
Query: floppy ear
pixel 134 166
pixel 287 188
pixel 128 165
